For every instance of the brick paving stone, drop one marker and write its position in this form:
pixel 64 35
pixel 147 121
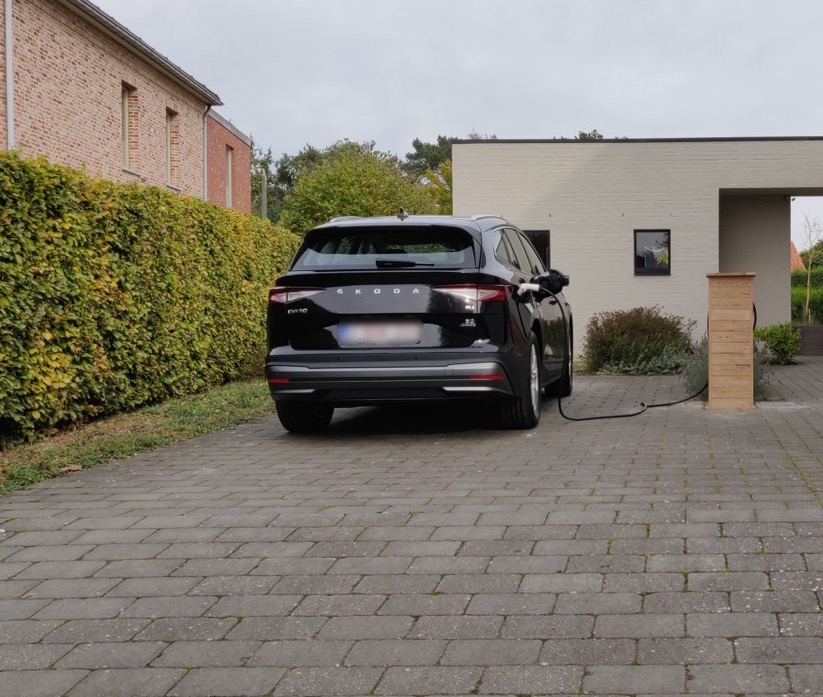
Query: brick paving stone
pixel 84 608
pixel 290 654
pixel 398 652
pixel 235 585
pixel 482 652
pixel 31 656
pixel 511 604
pixel 519 564
pixel 81 631
pixel 476 583
pixel 634 679
pixel 338 605
pixel 765 562
pixel 38 683
pixel 227 682
pixel 639 626
pixel 187 629
pixel 185 606
pixel 128 682
pixel 333 681
pixel 686 562
pixel 429 680
pixel 547 627
pixel 331 584
pixel 562 583
pixel 606 563
pixel 456 627
pixel 688 602
pixel 782 650
pixel 735 624
pixel 25 631
pixel 103 655
pixel 643 583
pixel 22 609
pixel 202 654
pixel 690 651
pixel 365 628
pixel 776 601
pixel 269 628
pixel 738 679
pixel 806 679
pixel 582 652
pixel 520 680
pixel 60 569
pixel 425 604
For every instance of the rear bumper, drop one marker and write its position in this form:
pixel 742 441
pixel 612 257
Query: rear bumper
pixel 352 383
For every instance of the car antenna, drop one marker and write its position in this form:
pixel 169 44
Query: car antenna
pixel 402 214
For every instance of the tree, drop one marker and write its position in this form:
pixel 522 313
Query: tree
pixel 280 176
pixel 352 179
pixel 429 156
pixel 588 135
pixel 811 236
pixel 440 181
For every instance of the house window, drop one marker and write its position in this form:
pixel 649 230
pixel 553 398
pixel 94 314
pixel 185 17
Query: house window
pixel 128 102
pixel 540 241
pixel 652 252
pixel 172 148
pixel 229 154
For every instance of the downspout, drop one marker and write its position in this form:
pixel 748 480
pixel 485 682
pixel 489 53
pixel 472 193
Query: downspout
pixel 206 152
pixel 9 22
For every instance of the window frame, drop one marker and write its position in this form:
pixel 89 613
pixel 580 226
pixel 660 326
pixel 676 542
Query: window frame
pixel 533 235
pixel 654 271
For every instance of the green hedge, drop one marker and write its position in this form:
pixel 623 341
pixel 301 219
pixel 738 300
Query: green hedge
pixel 815 304
pixel 799 278
pixel 114 296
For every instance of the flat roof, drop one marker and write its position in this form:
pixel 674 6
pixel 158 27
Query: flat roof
pixel 487 141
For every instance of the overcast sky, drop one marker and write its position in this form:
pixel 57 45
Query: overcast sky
pixel 297 72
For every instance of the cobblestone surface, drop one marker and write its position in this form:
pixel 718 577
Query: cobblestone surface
pixel 413 552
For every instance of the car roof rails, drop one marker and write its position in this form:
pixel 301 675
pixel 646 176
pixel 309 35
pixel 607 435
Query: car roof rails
pixel 482 216
pixel 341 218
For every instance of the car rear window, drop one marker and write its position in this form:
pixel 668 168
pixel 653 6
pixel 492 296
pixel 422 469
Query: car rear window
pixel 386 247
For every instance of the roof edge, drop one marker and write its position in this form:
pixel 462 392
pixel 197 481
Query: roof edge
pixel 229 126
pixel 639 140
pixel 95 16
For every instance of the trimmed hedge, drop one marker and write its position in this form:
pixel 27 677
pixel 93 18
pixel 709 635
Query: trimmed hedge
pixel 114 296
pixel 798 298
pixel 799 278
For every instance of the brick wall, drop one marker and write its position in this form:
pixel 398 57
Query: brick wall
pixel 2 79
pixel 68 101
pixel 220 137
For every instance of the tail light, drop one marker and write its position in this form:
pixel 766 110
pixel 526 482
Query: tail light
pixel 288 294
pixel 474 295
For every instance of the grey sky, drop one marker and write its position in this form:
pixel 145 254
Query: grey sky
pixel 297 72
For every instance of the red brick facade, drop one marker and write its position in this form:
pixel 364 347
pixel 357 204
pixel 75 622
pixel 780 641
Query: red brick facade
pixel 228 149
pixel 88 93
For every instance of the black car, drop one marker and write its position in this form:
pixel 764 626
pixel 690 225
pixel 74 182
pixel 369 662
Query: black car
pixel 417 309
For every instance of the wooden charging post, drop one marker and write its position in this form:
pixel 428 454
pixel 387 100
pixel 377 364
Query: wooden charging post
pixel 731 340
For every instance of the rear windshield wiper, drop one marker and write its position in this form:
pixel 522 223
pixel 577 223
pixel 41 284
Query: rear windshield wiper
pixel 399 263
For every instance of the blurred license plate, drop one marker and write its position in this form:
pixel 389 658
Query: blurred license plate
pixel 379 333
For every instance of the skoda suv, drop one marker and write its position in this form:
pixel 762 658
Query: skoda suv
pixel 404 309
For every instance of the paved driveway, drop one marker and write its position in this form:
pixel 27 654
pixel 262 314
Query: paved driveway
pixel 410 553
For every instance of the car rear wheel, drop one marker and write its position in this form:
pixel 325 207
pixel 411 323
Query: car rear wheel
pixel 298 417
pixel 524 410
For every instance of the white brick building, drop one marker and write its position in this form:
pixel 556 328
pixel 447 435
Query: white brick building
pixel 641 222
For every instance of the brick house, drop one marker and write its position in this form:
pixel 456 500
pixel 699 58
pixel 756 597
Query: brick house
pixel 81 89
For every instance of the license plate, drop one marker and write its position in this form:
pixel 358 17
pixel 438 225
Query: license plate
pixel 379 333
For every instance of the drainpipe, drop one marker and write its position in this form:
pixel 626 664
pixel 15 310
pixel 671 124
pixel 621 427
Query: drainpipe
pixel 10 138
pixel 206 152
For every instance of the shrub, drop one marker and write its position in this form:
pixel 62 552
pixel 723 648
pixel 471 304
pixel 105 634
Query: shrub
pixel 115 296
pixel 695 370
pixel 783 341
pixel 635 341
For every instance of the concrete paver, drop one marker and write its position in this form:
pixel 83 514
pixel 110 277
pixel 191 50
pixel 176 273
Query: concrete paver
pixel 421 552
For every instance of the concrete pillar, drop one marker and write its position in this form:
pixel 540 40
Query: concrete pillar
pixel 731 340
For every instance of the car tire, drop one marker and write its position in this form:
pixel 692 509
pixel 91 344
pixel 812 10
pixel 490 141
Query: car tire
pixel 524 410
pixel 298 417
